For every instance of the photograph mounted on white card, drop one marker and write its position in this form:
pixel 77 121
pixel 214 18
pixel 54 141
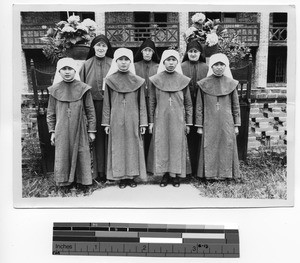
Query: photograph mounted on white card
pixel 162 107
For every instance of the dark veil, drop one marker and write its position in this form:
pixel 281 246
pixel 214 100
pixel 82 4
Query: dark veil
pixel 96 40
pixel 147 43
pixel 197 45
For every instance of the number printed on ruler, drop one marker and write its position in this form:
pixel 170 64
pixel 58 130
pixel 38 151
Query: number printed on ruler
pixel 126 239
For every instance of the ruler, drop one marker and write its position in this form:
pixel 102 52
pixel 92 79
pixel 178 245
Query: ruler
pixel 145 240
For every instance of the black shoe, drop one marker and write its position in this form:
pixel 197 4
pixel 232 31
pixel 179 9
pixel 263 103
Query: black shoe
pixel 132 183
pixel 122 184
pixel 175 182
pixel 164 181
pixel 102 180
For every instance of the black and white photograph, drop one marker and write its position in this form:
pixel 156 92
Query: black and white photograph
pixel 153 106
pixel 125 115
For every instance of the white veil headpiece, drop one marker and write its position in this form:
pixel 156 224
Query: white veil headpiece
pixel 65 62
pixel 219 57
pixel 120 52
pixel 166 54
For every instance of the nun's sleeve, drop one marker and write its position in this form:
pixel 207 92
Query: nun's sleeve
pixel 90 111
pixel 188 105
pixel 236 108
pixel 143 107
pixel 152 101
pixel 51 114
pixel 82 73
pixel 199 108
pixel 106 107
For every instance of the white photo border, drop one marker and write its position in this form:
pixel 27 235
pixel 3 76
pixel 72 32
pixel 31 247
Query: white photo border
pixel 90 202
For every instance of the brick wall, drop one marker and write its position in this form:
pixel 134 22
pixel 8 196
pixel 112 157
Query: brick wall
pixel 31 152
pixel 29 122
pixel 267 124
pixel 267 120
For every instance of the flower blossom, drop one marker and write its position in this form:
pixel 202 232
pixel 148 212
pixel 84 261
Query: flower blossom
pixel 89 23
pixel 198 18
pixel 212 39
pixel 73 19
pixel 83 28
pixel 68 29
pixel 190 31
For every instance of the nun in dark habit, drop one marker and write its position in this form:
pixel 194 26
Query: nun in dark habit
pixel 146 65
pixel 194 66
pixel 92 72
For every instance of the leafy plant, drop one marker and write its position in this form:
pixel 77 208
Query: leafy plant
pixel 233 48
pixel 211 33
pixel 67 34
pixel 204 29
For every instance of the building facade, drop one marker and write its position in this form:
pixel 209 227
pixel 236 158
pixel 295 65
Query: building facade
pixel 265 33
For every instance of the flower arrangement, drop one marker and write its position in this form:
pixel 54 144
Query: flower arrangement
pixel 206 30
pixel 236 51
pixel 211 34
pixel 66 34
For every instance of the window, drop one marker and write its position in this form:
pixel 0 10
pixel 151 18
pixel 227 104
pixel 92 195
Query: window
pixel 161 17
pixel 277 65
pixel 82 15
pixel 141 20
pixel 229 17
pixel 213 15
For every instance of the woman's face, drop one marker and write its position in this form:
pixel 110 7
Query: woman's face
pixel 218 68
pixel 194 54
pixel 67 73
pixel 100 49
pixel 170 63
pixel 147 53
pixel 123 63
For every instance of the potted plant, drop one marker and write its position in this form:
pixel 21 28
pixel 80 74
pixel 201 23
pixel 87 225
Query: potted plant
pixel 61 40
pixel 216 39
pixel 207 31
pixel 236 51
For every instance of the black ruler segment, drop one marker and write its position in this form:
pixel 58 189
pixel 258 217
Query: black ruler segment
pixel 145 240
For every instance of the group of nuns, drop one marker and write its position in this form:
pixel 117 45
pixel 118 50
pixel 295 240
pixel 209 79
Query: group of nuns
pixel 143 116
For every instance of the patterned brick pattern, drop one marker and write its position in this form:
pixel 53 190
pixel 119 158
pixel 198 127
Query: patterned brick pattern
pixel 267 126
pixel 267 123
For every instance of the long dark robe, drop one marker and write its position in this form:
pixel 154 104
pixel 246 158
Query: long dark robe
pixel 124 110
pixel 146 69
pixel 92 72
pixel 196 71
pixel 218 112
pixel 170 109
pixel 71 115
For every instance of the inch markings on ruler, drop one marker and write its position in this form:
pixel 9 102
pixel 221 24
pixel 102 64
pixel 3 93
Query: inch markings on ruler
pixel 147 240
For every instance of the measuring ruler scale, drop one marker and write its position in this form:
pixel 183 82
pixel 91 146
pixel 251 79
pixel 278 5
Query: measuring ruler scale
pixel 145 240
